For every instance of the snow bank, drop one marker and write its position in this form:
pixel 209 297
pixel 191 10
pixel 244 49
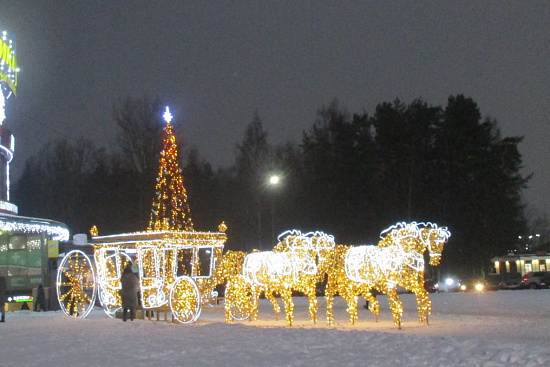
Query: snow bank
pixel 503 328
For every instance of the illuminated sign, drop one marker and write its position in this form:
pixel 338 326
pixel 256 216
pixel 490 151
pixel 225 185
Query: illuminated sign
pixel 17 299
pixel 8 62
pixel 53 249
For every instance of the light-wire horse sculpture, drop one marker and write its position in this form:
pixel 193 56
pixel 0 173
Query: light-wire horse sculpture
pixel 415 239
pixel 298 263
pixel 398 260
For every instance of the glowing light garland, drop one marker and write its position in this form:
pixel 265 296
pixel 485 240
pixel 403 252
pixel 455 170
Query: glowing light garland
pixel 2 106
pixel 177 266
pixel 396 261
pixel 75 284
pixel 110 263
pixel 181 267
pixel 8 62
pixel 178 269
pixel 298 262
pixel 170 210
pixel 57 232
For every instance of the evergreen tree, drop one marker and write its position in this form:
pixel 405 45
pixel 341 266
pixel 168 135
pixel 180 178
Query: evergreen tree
pixel 338 167
pixel 170 209
pixel 480 190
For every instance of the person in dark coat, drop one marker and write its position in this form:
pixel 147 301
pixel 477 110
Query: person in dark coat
pixel 128 292
pixel 40 299
pixel 3 288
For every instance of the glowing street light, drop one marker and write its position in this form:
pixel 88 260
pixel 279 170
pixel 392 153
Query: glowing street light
pixel 274 181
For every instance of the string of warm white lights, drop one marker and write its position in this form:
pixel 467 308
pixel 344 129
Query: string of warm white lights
pixel 58 233
pixel 170 209
pixel 110 261
pixel 176 264
pixel 298 263
pixel 396 261
pixel 75 284
pixel 2 106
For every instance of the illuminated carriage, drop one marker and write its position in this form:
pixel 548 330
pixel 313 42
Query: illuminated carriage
pixel 176 271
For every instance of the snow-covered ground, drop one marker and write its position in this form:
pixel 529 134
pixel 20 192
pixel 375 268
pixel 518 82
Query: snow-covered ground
pixel 503 328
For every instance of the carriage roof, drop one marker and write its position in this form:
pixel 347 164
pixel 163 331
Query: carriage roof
pixel 178 238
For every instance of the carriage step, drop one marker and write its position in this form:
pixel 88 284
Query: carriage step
pixel 152 314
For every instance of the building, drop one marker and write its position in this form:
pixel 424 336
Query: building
pixel 521 263
pixel 28 246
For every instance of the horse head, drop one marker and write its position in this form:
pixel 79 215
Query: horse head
pixel 417 237
pixel 434 238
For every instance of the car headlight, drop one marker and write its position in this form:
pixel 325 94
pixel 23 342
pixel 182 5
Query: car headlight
pixel 480 287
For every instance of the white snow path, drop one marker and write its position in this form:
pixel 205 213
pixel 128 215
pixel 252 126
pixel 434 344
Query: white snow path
pixel 503 328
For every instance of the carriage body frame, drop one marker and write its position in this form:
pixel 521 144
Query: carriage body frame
pixel 175 269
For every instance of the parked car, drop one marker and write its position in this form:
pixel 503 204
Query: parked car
pixel 449 284
pixel 492 282
pixel 534 279
pixel 545 281
pixel 511 281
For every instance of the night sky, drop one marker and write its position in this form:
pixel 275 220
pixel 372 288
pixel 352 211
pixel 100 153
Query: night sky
pixel 216 63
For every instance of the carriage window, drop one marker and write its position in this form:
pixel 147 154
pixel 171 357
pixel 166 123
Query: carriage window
pixel 185 261
pixel 205 261
pixel 149 262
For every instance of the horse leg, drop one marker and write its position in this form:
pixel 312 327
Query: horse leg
pixel 374 305
pixel 330 291
pixel 313 308
pixel 329 299
pixel 423 303
pixel 396 306
pixel 255 303
pixel 286 294
pixel 351 301
pixel 229 301
pixel 276 308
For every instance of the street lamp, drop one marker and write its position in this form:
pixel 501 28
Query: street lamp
pixel 274 181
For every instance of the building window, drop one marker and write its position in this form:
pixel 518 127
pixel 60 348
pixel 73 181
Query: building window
pixel 21 259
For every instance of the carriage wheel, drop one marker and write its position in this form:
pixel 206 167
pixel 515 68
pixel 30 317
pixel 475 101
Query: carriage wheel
pixel 185 300
pixel 239 299
pixel 76 284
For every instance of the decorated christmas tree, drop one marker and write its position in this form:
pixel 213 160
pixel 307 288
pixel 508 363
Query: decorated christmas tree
pixel 170 210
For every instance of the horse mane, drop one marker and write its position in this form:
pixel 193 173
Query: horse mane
pixel 293 240
pixel 420 230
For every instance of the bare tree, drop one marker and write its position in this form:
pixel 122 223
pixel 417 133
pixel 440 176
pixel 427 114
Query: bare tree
pixel 253 155
pixel 140 134
pixel 140 139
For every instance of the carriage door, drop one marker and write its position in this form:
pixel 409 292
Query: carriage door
pixel 151 275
